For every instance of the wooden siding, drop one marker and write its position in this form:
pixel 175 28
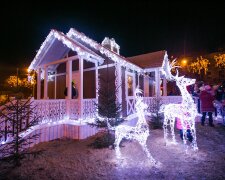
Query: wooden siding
pixel 89 85
pixel 61 85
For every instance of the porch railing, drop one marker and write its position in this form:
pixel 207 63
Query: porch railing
pixel 88 109
pixel 149 102
pixel 50 111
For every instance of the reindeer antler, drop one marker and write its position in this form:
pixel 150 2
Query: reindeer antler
pixel 167 67
pixel 138 92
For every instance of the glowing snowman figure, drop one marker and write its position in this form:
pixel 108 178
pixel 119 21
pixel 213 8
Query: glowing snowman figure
pixel 140 132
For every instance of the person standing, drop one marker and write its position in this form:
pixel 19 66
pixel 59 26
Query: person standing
pixel 206 101
pixel 179 126
pixel 74 91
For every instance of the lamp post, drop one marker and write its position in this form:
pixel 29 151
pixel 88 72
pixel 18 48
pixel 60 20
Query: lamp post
pixel 183 64
pixel 17 79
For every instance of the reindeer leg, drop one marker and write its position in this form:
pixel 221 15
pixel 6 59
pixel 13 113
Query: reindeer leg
pixel 165 130
pixel 117 146
pixel 145 149
pixel 194 140
pixel 172 131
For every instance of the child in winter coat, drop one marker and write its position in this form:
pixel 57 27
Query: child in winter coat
pixel 179 126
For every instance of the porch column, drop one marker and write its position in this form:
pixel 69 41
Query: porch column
pixel 46 82
pixel 96 80
pixel 69 79
pixel 146 86
pixel 164 87
pixel 69 86
pixel 138 80
pixel 81 72
pixel 157 83
pixel 55 85
pixel 39 83
pixel 118 82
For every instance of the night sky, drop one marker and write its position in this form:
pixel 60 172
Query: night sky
pixel 138 27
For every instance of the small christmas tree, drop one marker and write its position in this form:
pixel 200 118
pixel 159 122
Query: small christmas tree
pixel 156 118
pixel 16 119
pixel 109 111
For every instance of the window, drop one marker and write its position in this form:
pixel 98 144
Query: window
pixel 130 85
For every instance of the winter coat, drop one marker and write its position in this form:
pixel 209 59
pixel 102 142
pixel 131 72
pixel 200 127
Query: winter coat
pixel 206 101
pixel 179 125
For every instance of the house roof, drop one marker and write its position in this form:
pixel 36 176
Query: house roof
pixel 149 60
pixel 76 35
pixel 56 45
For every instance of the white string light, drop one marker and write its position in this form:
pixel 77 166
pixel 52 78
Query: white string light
pixel 110 54
pixel 47 123
pixel 140 132
pixel 66 41
pixel 186 111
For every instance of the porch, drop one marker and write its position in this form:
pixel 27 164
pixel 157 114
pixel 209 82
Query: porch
pixel 59 118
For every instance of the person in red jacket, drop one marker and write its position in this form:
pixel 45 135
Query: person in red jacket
pixel 206 100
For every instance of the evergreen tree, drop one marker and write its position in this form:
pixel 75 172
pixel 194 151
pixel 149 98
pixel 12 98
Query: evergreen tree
pixel 16 119
pixel 109 111
pixel 156 118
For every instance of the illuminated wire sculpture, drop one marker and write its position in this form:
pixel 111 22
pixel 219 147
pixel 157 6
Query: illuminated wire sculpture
pixel 186 111
pixel 140 132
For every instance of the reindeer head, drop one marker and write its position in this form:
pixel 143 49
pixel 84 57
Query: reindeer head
pixel 182 81
pixel 138 92
pixel 166 70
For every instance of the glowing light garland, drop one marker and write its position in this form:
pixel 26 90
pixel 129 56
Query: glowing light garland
pixel 112 55
pixel 186 111
pixel 47 123
pixel 66 41
pixel 139 133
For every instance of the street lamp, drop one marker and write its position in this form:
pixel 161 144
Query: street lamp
pixel 184 62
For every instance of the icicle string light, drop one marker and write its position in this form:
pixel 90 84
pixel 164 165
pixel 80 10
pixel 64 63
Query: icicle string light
pixel 186 111
pixel 68 42
pixel 112 55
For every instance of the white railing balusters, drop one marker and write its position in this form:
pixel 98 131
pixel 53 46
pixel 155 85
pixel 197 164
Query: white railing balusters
pixel 149 101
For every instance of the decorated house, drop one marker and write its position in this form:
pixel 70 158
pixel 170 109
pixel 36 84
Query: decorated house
pixel 74 57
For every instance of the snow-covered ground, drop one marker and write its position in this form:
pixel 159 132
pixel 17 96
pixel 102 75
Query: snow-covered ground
pixel 73 159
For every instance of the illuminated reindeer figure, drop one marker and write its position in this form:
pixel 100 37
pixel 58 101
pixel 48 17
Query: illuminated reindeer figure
pixel 140 132
pixel 186 111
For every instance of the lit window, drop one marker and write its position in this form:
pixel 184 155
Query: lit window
pixel 130 85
